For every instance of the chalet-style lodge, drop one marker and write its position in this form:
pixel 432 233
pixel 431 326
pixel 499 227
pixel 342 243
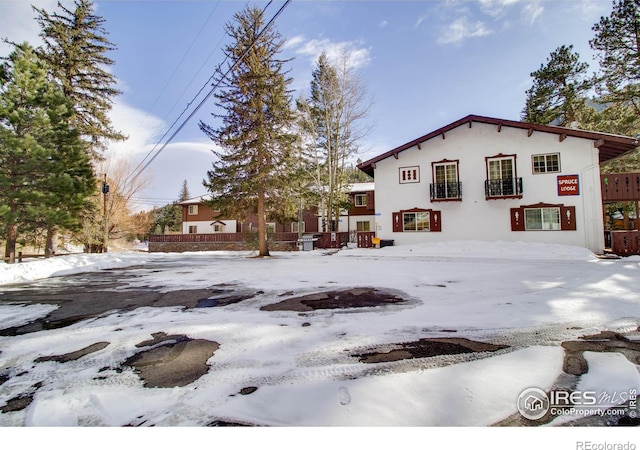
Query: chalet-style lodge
pixel 478 178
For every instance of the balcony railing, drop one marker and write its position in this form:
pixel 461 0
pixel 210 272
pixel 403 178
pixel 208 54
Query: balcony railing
pixel 506 187
pixel 446 191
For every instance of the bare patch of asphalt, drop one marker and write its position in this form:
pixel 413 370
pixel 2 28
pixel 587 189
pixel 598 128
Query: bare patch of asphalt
pixel 167 361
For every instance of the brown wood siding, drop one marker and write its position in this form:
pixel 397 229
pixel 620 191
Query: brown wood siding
pixel 368 210
pixel 620 187
pixel 204 213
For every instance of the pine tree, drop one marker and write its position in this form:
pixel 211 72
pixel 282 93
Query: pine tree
pixel 184 192
pixel 617 41
pixel 253 172
pixel 76 48
pixel 45 175
pixel 559 92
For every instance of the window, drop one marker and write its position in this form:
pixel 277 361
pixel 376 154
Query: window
pixel 363 225
pixel 445 181
pixel 193 229
pixel 271 227
pixel 360 200
pixel 218 227
pixel 416 219
pixel 546 163
pixel 297 227
pixel 409 174
pixel 193 210
pixel 501 177
pixel 542 219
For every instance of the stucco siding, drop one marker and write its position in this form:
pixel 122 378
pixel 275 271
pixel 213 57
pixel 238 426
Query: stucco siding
pixel 477 218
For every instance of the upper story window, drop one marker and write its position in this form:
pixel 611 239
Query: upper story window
pixel 546 163
pixel 360 200
pixel 445 184
pixel 502 180
pixel 409 174
pixel 193 210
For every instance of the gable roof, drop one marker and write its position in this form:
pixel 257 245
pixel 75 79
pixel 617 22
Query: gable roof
pixel 610 145
pixel 196 200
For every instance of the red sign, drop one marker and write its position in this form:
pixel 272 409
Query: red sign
pixel 568 185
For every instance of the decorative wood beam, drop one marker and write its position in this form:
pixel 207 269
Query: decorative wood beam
pixel 419 146
pixel 599 143
pixel 529 132
pixel 443 135
pixel 499 127
pixel 470 122
pixel 373 166
pixel 395 155
pixel 563 136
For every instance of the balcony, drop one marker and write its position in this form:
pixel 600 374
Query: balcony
pixel 503 188
pixel 442 192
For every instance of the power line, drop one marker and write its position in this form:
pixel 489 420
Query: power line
pixel 211 91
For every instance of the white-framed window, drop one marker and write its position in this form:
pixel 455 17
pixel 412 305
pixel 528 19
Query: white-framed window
pixel 409 174
pixel 502 180
pixel 218 228
pixel 542 219
pixel 415 221
pixel 193 210
pixel 271 227
pixel 363 225
pixel 548 163
pixel 360 200
pixel 445 181
pixel 193 229
pixel 298 227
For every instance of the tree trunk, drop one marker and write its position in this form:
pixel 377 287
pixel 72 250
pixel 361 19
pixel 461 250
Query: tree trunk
pixel 48 248
pixel 10 249
pixel 263 248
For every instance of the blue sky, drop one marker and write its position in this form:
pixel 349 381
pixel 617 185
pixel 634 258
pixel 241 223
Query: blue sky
pixel 424 63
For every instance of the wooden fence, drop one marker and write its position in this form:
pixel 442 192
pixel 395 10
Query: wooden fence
pixel 625 243
pixel 220 237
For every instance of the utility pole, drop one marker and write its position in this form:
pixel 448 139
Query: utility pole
pixel 105 193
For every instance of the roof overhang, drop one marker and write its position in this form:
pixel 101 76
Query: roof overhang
pixel 610 146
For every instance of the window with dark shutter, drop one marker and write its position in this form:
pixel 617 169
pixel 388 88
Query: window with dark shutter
pixel 543 217
pixel 416 219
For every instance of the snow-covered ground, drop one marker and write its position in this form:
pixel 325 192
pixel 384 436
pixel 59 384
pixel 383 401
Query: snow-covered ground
pixel 530 297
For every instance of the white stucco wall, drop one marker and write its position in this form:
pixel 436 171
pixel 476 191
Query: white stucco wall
pixel 477 218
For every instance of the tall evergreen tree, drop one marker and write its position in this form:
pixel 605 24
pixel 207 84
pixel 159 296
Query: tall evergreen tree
pixel 617 43
pixel 45 174
pixel 76 48
pixel 559 92
pixel 184 192
pixel 253 172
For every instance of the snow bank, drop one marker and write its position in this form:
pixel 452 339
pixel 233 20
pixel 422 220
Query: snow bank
pixel 67 265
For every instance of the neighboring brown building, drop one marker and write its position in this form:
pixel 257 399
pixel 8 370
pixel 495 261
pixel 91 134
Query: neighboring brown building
pixel 199 218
